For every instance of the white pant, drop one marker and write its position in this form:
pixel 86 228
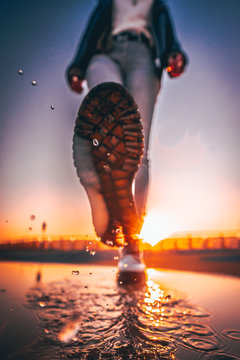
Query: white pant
pixel 130 64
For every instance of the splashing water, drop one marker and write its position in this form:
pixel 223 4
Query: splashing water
pixel 101 321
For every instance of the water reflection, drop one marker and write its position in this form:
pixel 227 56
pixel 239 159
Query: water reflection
pixel 89 317
pixel 120 323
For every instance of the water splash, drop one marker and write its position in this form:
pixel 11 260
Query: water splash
pixel 100 321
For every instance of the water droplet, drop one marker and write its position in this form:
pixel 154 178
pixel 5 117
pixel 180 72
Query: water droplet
pixel 52 107
pixel 109 243
pixel 75 272
pixel 95 142
pixel 85 287
pixel 34 83
pixel 108 154
pixel 87 249
pixel 32 217
pixel 92 252
pixel 125 265
pixel 116 257
pixel 38 276
pixel 90 243
pixel 42 304
pixel 46 331
pixel 20 71
pixel 11 308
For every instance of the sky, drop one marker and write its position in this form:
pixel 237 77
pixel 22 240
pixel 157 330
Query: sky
pixel 195 167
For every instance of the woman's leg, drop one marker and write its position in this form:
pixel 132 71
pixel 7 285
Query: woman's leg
pixel 102 68
pixel 143 83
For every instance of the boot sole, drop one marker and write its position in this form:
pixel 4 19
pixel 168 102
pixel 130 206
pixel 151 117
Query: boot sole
pixel 109 119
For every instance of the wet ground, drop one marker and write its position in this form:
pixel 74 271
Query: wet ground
pixel 59 311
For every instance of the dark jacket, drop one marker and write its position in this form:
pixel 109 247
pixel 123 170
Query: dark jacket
pixel 96 36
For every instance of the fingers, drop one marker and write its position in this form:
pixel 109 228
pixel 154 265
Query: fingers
pixel 176 63
pixel 76 84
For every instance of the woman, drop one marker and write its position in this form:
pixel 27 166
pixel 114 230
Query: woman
pixel 128 42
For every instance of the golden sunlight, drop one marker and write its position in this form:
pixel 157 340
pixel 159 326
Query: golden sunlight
pixel 156 227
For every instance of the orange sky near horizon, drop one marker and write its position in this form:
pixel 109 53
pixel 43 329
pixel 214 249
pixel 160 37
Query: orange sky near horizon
pixel 178 200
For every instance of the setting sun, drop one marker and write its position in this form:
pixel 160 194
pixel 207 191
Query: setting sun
pixel 156 227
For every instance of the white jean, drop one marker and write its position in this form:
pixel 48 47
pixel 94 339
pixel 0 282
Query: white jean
pixel 129 63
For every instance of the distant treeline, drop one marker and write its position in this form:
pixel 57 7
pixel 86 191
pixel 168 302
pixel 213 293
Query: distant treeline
pixel 185 243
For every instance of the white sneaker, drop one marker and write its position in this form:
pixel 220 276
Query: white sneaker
pixel 131 262
pixel 131 267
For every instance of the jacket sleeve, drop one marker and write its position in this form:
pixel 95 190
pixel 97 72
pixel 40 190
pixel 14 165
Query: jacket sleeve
pixel 166 38
pixel 87 46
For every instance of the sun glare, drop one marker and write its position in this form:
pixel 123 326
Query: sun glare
pixel 156 227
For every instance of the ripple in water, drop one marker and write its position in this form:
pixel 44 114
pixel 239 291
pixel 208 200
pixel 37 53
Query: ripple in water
pixel 103 322
pixel 221 356
pixel 232 334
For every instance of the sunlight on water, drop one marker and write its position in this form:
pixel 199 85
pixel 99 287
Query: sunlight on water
pixel 70 329
pixel 89 317
pixel 120 323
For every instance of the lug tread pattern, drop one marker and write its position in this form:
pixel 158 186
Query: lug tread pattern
pixel 109 119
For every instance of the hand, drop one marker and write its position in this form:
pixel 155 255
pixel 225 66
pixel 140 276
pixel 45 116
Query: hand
pixel 76 84
pixel 176 64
